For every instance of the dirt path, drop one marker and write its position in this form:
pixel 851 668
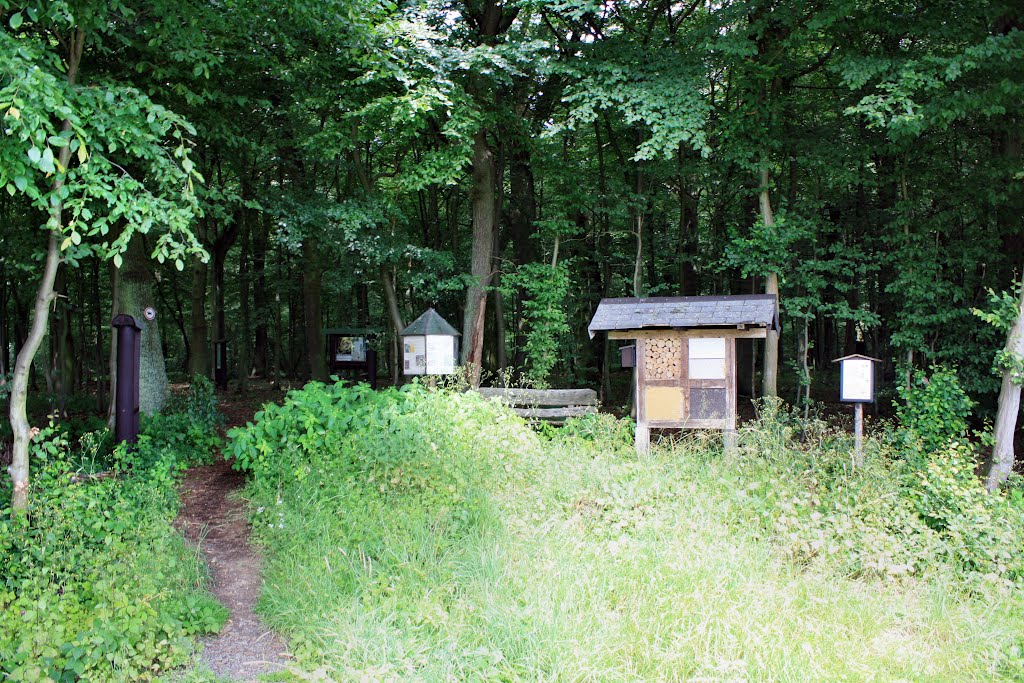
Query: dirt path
pixel 212 518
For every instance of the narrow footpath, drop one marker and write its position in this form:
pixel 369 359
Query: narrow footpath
pixel 214 519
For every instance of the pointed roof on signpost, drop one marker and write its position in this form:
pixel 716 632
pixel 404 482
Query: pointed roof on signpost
pixel 857 356
pixel 431 323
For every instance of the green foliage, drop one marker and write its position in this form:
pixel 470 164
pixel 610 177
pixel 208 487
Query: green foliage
pixel 97 584
pixel 767 248
pixel 658 90
pixel 1003 312
pixel 934 409
pixel 574 558
pixel 109 128
pixel 325 430
pixel 191 425
pixel 904 513
pixel 599 430
pixel 544 290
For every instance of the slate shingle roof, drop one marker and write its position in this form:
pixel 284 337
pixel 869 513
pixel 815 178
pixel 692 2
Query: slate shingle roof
pixel 430 322
pixel 758 310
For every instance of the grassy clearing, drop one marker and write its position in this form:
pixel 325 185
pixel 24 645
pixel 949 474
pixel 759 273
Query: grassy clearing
pixel 574 560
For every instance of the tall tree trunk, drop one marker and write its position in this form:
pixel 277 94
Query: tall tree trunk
pixel 480 265
pixel 243 304
pixel 1009 404
pixel 20 429
pixel 98 326
pixel 199 360
pixel 278 364
pixel 771 286
pixel 4 340
pixel 115 277
pixel 395 319
pixel 62 343
pixel 499 329
pixel 220 327
pixel 261 305
pixel 688 285
pixel 311 289
pixel 173 311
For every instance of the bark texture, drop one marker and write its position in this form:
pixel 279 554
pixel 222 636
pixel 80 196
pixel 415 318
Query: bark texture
pixel 311 287
pixel 771 286
pixel 134 295
pixel 484 169
pixel 1009 407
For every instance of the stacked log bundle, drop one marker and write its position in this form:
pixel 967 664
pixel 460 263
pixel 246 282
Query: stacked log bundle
pixel 663 358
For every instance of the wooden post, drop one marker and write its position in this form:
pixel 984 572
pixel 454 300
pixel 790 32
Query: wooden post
pixel 643 437
pixel 729 435
pixel 858 434
pixel 642 440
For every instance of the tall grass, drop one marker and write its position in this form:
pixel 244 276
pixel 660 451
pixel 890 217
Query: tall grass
pixel 573 559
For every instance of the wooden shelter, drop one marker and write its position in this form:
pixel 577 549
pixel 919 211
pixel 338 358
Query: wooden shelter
pixel 686 355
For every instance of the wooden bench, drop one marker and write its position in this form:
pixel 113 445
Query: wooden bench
pixel 554 406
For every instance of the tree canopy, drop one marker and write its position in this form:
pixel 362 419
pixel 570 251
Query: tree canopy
pixel 297 166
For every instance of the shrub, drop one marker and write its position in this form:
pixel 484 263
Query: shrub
pixel 435 445
pixel 897 515
pixel 373 493
pixel 97 584
pixel 934 409
pixel 599 429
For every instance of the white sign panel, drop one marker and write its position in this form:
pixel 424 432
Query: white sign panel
pixel 414 355
pixel 857 380
pixel 440 355
pixel 707 358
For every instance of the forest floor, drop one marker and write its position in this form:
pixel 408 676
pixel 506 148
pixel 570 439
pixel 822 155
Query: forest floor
pixel 213 517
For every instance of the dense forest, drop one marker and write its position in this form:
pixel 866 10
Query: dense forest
pixel 247 176
pixel 291 167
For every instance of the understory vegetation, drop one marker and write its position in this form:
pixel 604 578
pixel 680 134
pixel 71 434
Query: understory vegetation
pixel 95 583
pixel 422 534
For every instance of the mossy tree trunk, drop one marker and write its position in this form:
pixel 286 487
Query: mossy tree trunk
pixel 134 294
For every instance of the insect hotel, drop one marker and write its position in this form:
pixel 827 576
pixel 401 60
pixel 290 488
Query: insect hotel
pixel 685 355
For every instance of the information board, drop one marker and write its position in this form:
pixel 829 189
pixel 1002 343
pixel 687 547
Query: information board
pixel 415 355
pixel 440 354
pixel 857 380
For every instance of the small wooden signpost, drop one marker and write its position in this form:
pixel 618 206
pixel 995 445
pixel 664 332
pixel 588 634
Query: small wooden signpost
pixel 857 386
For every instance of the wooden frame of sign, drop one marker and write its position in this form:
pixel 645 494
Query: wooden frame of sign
pixel 686 379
